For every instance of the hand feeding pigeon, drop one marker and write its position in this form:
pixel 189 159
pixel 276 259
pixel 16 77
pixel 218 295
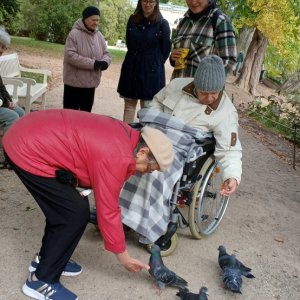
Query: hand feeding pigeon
pixel 232 276
pixel 190 296
pixel 224 261
pixel 161 273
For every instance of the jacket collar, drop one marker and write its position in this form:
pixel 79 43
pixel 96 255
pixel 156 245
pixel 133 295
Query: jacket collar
pixel 189 89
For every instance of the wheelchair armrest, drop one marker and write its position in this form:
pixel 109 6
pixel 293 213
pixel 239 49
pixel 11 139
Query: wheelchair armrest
pixel 207 141
pixel 136 125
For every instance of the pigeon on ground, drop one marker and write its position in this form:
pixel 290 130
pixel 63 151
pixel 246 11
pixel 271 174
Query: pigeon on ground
pixel 232 276
pixel 190 296
pixel 224 261
pixel 162 274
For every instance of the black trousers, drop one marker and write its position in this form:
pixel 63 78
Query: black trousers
pixel 78 98
pixel 67 214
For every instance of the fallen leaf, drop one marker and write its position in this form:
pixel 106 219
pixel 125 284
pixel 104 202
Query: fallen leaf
pixel 29 208
pixel 279 240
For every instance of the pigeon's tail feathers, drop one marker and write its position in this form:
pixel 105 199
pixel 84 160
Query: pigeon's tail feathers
pixel 183 289
pixel 183 295
pixel 236 291
pixel 181 281
pixel 248 275
pixel 244 268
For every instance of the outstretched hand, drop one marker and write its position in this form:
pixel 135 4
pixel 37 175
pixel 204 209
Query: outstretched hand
pixel 131 264
pixel 229 187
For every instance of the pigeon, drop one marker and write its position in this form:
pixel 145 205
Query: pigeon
pixel 232 276
pixel 162 274
pixel 224 261
pixel 190 296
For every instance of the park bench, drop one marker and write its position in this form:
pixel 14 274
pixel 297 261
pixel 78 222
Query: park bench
pixel 120 45
pixel 25 91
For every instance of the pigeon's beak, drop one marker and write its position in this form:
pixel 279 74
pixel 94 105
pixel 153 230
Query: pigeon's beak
pixel 207 293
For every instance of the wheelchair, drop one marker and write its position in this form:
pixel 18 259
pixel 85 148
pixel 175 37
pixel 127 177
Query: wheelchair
pixel 200 185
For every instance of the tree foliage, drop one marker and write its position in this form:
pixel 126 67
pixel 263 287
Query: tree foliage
pixel 113 19
pixel 8 13
pixel 53 19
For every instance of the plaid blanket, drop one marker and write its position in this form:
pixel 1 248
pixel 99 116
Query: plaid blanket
pixel 144 200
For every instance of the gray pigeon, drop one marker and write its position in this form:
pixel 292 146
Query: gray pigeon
pixel 161 273
pixel 190 296
pixel 224 261
pixel 232 277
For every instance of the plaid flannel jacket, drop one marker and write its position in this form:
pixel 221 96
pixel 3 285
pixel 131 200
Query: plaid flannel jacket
pixel 198 37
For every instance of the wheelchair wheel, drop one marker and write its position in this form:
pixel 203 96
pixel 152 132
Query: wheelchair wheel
pixel 167 249
pixel 208 206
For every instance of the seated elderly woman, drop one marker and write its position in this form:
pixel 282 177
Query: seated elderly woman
pixel 199 108
pixel 202 103
pixel 9 113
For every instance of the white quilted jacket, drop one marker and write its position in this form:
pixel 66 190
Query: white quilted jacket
pixel 221 119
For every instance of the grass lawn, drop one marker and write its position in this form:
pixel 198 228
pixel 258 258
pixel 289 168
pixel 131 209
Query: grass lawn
pixel 20 44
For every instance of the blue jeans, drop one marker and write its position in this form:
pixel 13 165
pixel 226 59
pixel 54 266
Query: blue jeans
pixel 8 116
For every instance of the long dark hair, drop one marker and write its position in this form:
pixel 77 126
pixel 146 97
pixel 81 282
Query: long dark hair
pixel 138 16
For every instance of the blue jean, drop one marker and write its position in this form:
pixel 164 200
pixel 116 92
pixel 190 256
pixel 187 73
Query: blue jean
pixel 8 116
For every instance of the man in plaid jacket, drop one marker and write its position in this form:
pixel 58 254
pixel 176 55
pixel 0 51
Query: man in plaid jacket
pixel 196 32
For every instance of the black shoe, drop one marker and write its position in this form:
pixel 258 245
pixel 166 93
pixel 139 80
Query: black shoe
pixel 5 165
pixel 93 217
pixel 93 220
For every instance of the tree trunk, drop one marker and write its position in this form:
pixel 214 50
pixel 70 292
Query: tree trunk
pixel 249 40
pixel 242 38
pixel 288 82
pixel 293 87
pixel 250 72
pixel 97 3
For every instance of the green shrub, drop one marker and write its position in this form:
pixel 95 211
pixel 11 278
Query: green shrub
pixel 276 117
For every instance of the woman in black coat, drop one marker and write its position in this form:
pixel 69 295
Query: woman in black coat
pixel 148 43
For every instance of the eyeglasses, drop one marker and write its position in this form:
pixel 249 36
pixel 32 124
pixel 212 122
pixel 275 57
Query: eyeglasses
pixel 148 2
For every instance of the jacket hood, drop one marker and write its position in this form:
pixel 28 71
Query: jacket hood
pixel 79 25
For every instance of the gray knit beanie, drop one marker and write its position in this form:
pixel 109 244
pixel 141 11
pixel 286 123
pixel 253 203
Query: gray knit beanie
pixel 210 74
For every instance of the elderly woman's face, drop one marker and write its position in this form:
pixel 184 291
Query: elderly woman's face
pixel 196 6
pixel 92 22
pixel 2 49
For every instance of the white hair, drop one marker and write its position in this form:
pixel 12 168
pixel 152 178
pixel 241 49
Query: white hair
pixel 4 36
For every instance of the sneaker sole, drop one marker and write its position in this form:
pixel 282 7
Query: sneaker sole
pixel 32 269
pixel 34 294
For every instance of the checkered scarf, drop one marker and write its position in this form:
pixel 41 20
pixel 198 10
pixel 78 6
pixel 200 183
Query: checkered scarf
pixel 144 200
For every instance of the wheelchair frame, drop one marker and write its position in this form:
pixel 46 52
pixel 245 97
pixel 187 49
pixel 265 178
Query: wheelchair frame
pixel 197 184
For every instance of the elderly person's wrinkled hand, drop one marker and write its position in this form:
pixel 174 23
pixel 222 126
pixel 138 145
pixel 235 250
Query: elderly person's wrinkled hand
pixel 131 264
pixel 176 54
pixel 229 187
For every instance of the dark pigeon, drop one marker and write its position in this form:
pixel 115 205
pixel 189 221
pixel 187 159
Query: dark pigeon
pixel 224 261
pixel 161 273
pixel 190 296
pixel 232 277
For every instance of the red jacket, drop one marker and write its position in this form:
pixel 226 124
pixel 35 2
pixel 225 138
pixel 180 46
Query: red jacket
pixel 95 148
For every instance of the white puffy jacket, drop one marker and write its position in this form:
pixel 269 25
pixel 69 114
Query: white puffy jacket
pixel 220 118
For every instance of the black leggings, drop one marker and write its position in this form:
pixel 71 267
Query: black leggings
pixel 67 214
pixel 79 98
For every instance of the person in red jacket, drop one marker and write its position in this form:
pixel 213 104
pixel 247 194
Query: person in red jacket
pixel 57 150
